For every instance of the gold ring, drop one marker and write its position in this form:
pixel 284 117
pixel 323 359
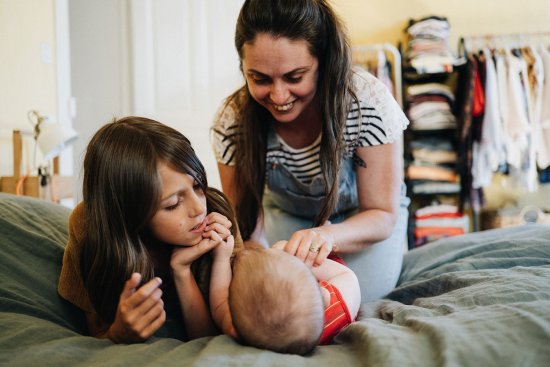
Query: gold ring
pixel 314 248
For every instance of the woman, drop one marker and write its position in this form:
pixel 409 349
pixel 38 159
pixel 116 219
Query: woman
pixel 308 149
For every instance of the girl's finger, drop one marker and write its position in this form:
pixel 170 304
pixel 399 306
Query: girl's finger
pixel 218 218
pixel 220 229
pixel 212 236
pixel 151 320
pixel 143 292
pixel 130 286
pixel 155 324
pixel 150 302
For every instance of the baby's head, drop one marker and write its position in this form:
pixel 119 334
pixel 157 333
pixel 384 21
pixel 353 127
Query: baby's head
pixel 275 302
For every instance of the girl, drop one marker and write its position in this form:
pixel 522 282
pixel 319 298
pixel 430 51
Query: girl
pixel 308 149
pixel 141 244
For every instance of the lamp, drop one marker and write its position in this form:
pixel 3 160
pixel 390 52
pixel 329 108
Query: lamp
pixel 51 138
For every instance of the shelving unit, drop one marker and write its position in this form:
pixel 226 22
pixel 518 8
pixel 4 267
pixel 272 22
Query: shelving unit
pixel 432 149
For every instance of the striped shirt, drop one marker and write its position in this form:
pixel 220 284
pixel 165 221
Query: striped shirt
pixel 376 119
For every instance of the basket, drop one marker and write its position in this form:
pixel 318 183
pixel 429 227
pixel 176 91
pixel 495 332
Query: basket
pixel 511 217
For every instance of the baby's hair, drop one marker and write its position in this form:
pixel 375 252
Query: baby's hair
pixel 275 302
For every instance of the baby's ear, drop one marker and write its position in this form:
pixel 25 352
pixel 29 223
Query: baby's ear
pixel 280 245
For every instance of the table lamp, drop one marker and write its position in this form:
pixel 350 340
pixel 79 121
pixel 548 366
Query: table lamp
pixel 51 138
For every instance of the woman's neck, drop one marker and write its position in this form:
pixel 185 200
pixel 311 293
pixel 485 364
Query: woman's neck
pixel 303 131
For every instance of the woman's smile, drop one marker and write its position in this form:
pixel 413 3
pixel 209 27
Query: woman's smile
pixel 283 108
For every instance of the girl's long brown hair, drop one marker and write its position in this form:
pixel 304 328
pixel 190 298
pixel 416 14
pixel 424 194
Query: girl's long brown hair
pixel 121 191
pixel 315 22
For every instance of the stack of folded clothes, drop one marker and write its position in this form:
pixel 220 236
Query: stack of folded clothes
pixel 432 169
pixel 428 47
pixel 439 221
pixel 430 106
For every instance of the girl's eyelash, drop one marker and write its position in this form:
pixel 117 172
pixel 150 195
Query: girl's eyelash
pixel 172 207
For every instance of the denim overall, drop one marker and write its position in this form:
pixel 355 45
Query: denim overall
pixel 290 205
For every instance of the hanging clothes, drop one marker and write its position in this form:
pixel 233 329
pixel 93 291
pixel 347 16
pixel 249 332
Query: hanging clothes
pixel 542 130
pixel 489 152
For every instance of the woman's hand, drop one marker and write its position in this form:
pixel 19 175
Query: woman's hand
pixel 140 311
pixel 312 246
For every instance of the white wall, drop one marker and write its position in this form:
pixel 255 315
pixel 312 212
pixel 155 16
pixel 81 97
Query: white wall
pixel 27 70
pixel 184 64
pixel 172 60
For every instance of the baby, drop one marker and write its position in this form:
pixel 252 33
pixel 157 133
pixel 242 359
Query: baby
pixel 280 304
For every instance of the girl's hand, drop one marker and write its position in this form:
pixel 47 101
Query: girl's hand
pixel 224 250
pixel 219 224
pixel 312 246
pixel 216 232
pixel 184 256
pixel 140 311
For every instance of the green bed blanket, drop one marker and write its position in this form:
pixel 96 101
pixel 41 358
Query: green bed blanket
pixel 478 300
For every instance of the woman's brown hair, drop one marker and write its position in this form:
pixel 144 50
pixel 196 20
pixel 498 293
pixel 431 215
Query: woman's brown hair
pixel 316 23
pixel 121 192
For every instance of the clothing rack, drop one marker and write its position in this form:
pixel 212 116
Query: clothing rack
pixel 475 43
pixel 510 137
pixel 396 69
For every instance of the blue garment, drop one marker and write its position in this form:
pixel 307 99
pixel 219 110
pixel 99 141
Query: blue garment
pixel 290 205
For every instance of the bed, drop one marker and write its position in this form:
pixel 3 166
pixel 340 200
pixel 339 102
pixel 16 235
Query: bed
pixel 482 299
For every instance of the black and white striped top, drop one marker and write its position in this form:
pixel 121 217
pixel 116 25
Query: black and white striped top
pixel 377 119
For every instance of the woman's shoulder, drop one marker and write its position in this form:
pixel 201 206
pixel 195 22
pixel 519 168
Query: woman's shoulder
pixel 224 127
pixel 226 115
pixel 368 88
pixel 378 119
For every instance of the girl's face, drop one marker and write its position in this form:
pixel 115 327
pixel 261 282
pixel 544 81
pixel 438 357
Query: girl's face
pixel 281 75
pixel 180 218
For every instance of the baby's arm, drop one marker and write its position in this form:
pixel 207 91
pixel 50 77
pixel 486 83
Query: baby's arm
pixel 342 278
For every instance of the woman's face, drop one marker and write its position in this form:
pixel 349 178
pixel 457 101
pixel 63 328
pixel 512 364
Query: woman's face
pixel 281 75
pixel 180 218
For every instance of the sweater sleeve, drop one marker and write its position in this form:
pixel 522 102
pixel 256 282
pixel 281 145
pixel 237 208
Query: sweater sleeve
pixel 71 286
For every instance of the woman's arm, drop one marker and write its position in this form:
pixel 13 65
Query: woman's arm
pixel 227 178
pixel 378 189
